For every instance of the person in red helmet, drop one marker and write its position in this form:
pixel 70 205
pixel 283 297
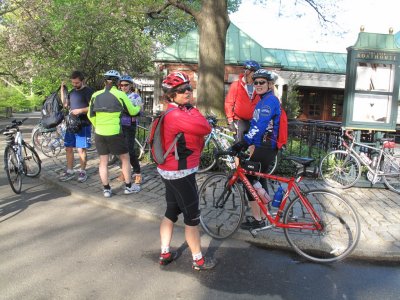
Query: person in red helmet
pixel 178 172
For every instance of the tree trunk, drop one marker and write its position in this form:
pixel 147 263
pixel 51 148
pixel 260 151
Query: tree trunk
pixel 213 22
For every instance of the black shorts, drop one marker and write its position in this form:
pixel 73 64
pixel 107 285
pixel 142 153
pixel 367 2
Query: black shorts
pixel 265 154
pixel 182 197
pixel 112 144
pixel 243 127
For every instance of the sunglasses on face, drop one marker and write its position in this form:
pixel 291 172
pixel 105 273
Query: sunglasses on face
pixel 124 84
pixel 260 82
pixel 182 89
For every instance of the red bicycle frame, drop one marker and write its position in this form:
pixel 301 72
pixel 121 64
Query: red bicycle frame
pixel 241 173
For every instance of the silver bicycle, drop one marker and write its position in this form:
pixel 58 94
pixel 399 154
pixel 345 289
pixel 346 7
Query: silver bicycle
pixel 342 168
pixel 20 158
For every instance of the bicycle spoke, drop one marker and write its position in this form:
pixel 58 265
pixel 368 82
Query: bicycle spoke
pixel 221 210
pixel 392 168
pixel 340 169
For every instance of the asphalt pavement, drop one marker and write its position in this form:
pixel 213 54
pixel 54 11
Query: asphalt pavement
pixel 378 209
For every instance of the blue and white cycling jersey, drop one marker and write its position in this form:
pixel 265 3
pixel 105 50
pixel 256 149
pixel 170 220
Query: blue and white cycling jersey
pixel 265 117
pixel 135 99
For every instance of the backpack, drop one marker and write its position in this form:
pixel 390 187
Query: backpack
pixel 283 130
pixel 158 153
pixel 52 113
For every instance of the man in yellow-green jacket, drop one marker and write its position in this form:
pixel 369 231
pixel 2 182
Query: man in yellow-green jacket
pixel 104 113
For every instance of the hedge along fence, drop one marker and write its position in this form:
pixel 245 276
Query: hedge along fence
pixel 5 112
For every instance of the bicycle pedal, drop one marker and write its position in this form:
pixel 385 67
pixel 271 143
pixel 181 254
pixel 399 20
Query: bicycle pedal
pixel 253 232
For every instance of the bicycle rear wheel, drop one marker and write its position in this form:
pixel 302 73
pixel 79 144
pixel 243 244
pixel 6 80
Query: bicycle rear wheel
pixel 392 166
pixel 13 171
pixel 32 162
pixel 207 158
pixel 221 208
pixel 340 169
pixel 340 227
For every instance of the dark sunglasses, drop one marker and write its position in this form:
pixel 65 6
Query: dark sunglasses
pixel 124 84
pixel 182 89
pixel 259 82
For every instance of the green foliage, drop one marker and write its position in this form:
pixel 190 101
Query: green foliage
pixel 11 97
pixel 290 100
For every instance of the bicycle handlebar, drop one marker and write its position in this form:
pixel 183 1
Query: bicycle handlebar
pixel 14 124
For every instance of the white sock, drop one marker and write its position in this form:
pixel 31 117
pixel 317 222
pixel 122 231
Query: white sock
pixel 164 249
pixel 70 171
pixel 197 256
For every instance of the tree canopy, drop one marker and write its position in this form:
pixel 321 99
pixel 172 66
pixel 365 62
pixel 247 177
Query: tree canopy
pixel 42 41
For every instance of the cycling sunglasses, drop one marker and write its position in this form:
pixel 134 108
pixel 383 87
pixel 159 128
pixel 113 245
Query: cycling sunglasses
pixel 260 82
pixel 124 84
pixel 183 88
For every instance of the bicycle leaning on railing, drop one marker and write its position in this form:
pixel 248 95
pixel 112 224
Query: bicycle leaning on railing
pixel 320 225
pixel 342 168
pixel 20 158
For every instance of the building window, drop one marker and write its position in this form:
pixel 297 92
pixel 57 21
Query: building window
pixel 337 105
pixel 314 107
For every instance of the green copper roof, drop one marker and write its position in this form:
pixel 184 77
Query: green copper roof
pixel 240 47
pixel 378 41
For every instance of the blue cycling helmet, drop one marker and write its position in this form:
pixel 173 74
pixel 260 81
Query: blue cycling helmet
pixel 112 74
pixel 251 65
pixel 126 78
pixel 268 75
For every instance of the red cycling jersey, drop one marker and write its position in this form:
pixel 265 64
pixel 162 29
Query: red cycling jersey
pixel 238 104
pixel 189 146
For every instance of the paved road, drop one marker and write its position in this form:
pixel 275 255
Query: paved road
pixel 379 209
pixel 54 246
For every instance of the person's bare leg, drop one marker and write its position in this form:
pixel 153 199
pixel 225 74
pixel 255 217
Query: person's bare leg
pixel 126 167
pixel 70 157
pixel 255 209
pixel 166 230
pixel 192 236
pixel 103 169
pixel 82 158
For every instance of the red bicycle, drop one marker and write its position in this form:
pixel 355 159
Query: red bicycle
pixel 319 225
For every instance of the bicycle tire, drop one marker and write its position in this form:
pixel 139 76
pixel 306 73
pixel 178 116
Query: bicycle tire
pixel 220 222
pixel 38 136
pixel 207 158
pixel 340 169
pixel 139 149
pixel 272 166
pixel 339 235
pixel 112 159
pixel 32 162
pixel 13 171
pixel 51 147
pixel 392 166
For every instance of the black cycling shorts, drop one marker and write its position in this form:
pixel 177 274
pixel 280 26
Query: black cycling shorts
pixel 182 197
pixel 265 154
pixel 112 144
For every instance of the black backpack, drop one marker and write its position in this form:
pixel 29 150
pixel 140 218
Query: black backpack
pixel 73 123
pixel 52 110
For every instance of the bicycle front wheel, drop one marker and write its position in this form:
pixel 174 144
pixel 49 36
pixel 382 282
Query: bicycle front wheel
pixel 221 208
pixel 391 166
pixel 207 158
pixel 51 147
pixel 13 170
pixel 340 231
pixel 32 162
pixel 272 166
pixel 340 169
